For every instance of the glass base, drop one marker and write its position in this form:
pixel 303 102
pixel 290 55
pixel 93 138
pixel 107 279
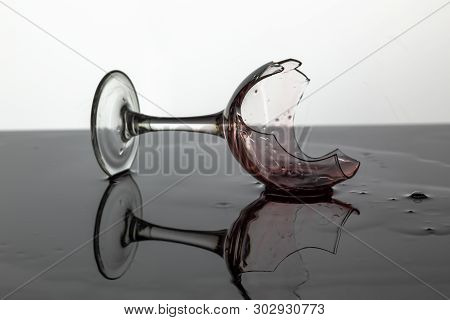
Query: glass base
pixel 115 152
pixel 114 253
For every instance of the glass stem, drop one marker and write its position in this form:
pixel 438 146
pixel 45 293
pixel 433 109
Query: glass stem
pixel 137 123
pixel 213 241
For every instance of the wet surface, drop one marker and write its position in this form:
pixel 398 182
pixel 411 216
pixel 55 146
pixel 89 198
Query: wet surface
pixel 51 189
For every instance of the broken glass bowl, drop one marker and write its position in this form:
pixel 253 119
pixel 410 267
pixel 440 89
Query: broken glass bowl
pixel 258 125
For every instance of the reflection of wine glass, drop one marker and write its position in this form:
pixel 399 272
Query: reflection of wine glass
pixel 121 200
pixel 265 239
pixel 258 125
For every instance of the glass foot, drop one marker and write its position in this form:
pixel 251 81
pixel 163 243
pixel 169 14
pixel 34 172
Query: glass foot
pixel 115 152
pixel 114 253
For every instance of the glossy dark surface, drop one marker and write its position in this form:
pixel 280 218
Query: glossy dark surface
pixel 51 188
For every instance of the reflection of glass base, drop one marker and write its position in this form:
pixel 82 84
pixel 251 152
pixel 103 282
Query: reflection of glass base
pixel 114 151
pixel 114 252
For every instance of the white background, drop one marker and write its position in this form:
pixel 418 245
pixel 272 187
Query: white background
pixel 189 56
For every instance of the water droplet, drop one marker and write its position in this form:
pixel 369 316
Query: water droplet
pixel 258 184
pixel 121 151
pixel 393 199
pixel 417 196
pixel 223 205
pixel 358 191
pixel 256 91
pixel 410 211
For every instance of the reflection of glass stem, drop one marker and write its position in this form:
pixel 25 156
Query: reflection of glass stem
pixel 138 123
pixel 139 230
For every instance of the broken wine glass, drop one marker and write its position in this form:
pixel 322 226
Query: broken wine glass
pixel 258 125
